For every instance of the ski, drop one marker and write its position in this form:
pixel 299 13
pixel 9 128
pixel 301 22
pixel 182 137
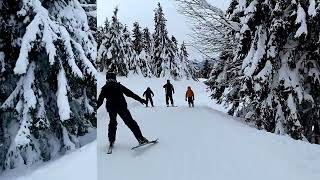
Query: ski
pixel 150 142
pixel 110 150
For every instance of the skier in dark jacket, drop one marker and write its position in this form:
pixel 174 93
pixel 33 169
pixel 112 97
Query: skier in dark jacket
pixel 169 91
pixel 116 104
pixel 148 94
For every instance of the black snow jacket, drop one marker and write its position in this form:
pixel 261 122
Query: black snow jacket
pixel 169 89
pixel 113 92
pixel 148 93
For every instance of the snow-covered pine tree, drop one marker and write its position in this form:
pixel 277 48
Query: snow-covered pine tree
pixel 186 68
pixel 47 56
pixel 276 66
pixel 130 55
pixel 161 46
pixel 111 51
pixel 226 69
pixel 166 59
pixel 90 7
pixel 137 43
pixel 195 65
pixel 145 55
pixel 147 41
pixel 175 65
pixel 206 69
pixel 142 45
pixel 101 33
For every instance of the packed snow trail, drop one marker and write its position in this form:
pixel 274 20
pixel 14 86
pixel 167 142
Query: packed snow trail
pixel 199 143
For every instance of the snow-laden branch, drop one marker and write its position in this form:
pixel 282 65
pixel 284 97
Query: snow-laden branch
pixel 89 67
pixel 51 31
pixel 9 103
pixel 30 101
pixel 210 26
pixel 301 19
pixel 62 97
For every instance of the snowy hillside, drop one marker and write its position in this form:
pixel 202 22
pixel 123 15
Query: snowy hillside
pixel 80 164
pixel 200 143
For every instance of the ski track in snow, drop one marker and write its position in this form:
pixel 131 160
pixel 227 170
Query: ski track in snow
pixel 202 143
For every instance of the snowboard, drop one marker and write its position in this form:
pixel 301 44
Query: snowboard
pixel 141 145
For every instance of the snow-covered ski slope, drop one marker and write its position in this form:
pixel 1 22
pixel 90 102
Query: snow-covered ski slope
pixel 198 144
pixel 194 144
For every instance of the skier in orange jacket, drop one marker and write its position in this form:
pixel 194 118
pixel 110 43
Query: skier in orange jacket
pixel 190 97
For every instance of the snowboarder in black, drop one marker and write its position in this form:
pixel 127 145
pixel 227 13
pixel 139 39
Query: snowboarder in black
pixel 169 91
pixel 116 104
pixel 148 94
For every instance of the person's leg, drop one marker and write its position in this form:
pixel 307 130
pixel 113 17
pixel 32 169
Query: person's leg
pixel 147 101
pixel 191 102
pixel 171 99
pixel 167 99
pixel 112 127
pixel 151 101
pixel 131 123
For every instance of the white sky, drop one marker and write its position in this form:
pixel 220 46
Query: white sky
pixel 142 11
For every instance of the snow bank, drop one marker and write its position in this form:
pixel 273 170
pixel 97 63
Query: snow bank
pixel 80 164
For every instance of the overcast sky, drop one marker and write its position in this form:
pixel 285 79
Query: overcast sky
pixel 142 11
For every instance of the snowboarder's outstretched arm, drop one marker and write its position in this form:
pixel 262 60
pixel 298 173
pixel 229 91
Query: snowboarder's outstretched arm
pixel 144 94
pixel 172 88
pixel 129 93
pixel 152 93
pixel 100 99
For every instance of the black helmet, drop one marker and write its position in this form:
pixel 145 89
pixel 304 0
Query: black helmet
pixel 111 75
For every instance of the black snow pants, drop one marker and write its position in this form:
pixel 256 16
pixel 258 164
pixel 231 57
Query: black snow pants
pixel 149 98
pixel 190 102
pixel 125 115
pixel 169 97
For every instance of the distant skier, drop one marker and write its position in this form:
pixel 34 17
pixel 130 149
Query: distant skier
pixel 116 104
pixel 148 94
pixel 190 97
pixel 169 91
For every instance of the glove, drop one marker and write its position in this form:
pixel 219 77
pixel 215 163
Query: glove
pixel 186 99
